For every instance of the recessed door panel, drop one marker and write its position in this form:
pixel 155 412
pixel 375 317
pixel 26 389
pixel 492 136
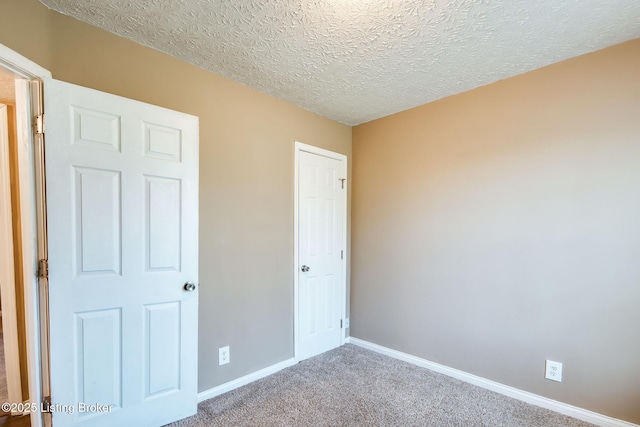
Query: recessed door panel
pixel 96 129
pixel 311 305
pixel 163 228
pixel 312 226
pixel 330 239
pixel 328 316
pixel 162 142
pixel 311 174
pixel 99 355
pixel 97 221
pixel 331 179
pixel 162 355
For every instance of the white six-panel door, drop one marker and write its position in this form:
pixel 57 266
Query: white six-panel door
pixel 122 207
pixel 321 213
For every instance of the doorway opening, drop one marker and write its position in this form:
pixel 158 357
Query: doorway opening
pixel 13 360
pixel 19 242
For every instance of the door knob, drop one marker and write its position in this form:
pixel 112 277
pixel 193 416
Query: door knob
pixel 189 286
pixel 305 268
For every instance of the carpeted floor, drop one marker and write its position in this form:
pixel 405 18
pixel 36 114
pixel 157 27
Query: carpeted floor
pixel 351 386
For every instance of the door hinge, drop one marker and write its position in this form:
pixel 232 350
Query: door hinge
pixel 43 268
pixel 340 323
pixel 342 180
pixel 46 404
pixel 342 254
pixel 39 124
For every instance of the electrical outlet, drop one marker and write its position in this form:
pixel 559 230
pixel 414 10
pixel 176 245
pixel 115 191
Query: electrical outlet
pixel 553 371
pixel 223 356
pixel 346 323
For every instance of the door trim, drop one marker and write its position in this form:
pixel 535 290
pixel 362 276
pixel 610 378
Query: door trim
pixel 301 147
pixel 7 273
pixel 18 64
pixel 28 71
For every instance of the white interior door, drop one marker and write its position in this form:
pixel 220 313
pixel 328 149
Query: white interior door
pixel 122 218
pixel 321 277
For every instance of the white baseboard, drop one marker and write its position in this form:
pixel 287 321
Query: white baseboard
pixel 525 396
pixel 239 382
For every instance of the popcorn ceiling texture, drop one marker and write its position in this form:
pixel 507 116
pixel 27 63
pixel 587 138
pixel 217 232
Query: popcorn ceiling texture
pixel 358 60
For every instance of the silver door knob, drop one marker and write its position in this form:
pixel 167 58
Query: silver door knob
pixel 189 286
pixel 305 268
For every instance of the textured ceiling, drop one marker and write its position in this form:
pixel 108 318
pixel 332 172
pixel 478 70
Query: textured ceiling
pixel 358 60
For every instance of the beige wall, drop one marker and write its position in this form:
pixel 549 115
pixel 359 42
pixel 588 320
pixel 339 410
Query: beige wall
pixel 246 176
pixel 500 227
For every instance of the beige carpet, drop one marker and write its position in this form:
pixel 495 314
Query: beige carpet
pixel 351 386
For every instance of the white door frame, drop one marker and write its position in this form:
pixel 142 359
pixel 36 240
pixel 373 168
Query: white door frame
pixel 301 147
pixel 7 272
pixel 31 239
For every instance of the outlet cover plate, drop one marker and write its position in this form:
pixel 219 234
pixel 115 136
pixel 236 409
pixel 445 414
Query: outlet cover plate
pixel 223 356
pixel 553 371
